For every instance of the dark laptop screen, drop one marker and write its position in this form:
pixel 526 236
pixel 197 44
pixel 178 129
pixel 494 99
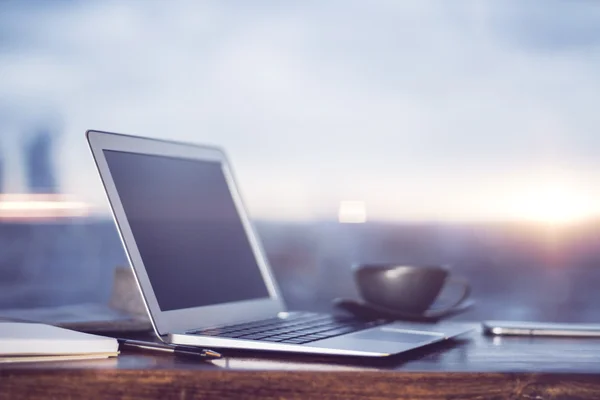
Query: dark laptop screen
pixel 187 230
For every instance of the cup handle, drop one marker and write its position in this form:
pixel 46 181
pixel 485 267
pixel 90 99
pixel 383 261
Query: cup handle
pixel 466 291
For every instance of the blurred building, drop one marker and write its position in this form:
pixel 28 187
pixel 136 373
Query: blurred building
pixel 39 165
pixel 1 173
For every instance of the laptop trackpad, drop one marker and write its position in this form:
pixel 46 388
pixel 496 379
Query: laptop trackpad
pixel 392 335
pixel 382 340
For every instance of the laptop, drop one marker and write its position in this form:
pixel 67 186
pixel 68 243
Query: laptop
pixel 199 265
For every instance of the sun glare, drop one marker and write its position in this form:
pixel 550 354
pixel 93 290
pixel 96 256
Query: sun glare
pixel 352 212
pixel 552 204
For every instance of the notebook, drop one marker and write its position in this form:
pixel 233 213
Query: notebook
pixel 22 342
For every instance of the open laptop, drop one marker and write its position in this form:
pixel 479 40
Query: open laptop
pixel 199 265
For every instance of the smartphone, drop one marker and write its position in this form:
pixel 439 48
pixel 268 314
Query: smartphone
pixel 518 328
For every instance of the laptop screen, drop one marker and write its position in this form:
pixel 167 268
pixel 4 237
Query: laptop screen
pixel 187 230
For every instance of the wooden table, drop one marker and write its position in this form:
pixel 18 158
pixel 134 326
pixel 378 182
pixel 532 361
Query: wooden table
pixel 472 367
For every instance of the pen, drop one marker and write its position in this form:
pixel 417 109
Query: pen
pixel 177 350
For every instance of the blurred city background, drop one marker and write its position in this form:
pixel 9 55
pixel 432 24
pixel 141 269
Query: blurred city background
pixel 459 133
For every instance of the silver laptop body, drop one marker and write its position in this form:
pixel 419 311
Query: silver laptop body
pixel 196 258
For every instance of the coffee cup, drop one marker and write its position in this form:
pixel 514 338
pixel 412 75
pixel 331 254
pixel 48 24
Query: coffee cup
pixel 408 289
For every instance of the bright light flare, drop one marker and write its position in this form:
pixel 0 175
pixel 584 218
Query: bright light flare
pixel 40 206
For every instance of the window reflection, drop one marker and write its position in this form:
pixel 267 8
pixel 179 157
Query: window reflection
pixel 421 132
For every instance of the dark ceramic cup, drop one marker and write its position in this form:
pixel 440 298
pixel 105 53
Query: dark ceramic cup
pixel 405 288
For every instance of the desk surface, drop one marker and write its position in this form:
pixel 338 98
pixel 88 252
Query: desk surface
pixel 474 366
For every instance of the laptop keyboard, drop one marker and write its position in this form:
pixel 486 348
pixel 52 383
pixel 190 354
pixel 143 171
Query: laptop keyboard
pixel 295 329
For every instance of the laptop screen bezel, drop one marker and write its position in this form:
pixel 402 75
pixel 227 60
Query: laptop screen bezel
pixel 181 320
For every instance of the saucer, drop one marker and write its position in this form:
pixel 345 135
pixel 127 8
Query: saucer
pixel 366 310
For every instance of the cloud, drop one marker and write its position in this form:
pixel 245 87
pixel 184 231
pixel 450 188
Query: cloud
pixel 411 99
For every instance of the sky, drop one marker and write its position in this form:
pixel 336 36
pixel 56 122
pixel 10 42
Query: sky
pixel 422 110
